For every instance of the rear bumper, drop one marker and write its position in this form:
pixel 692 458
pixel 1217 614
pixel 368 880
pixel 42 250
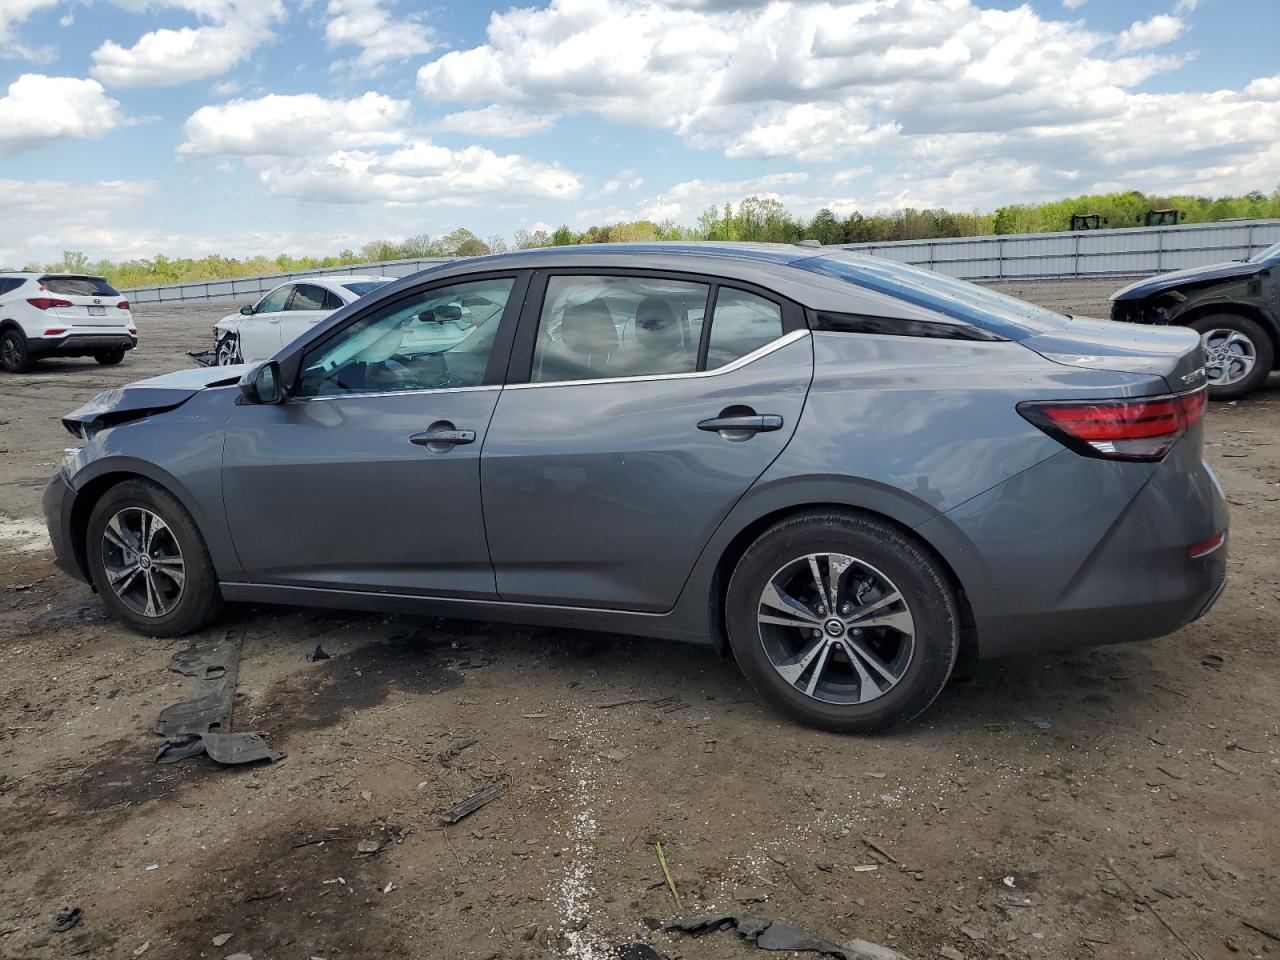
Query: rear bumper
pixel 59 502
pixel 1078 552
pixel 80 344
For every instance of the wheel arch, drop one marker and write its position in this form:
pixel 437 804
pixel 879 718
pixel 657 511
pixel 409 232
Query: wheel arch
pixel 897 509
pixel 103 476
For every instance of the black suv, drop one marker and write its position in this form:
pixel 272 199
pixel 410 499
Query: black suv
pixel 1235 307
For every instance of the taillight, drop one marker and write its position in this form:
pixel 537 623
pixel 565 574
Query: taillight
pixel 55 331
pixel 1141 429
pixel 122 305
pixel 44 303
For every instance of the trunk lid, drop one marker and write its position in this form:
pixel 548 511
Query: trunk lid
pixel 1172 353
pixel 93 301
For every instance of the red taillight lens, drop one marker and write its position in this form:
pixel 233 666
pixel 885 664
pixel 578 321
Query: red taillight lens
pixel 1206 547
pixel 122 305
pixel 1141 429
pixel 44 303
pixel 55 331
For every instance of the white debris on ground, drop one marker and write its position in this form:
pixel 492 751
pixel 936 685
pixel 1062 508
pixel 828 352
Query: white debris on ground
pixel 28 536
pixel 576 890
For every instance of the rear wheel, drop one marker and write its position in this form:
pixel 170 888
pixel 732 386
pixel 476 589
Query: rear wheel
pixel 109 358
pixel 149 562
pixel 15 357
pixel 1238 354
pixel 842 622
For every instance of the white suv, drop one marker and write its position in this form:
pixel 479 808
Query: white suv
pixel 64 315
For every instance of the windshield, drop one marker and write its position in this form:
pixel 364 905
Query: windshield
pixel 1271 253
pixel 361 287
pixel 985 308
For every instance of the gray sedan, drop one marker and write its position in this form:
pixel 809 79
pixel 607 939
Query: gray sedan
pixel 844 470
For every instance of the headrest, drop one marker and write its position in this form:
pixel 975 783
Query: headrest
pixel 656 326
pixel 587 328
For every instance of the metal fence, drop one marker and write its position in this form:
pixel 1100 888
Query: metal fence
pixel 250 288
pixel 1124 252
pixel 1104 253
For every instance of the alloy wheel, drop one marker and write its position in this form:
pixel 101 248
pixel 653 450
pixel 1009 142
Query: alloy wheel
pixel 1229 356
pixel 835 628
pixel 143 561
pixel 10 351
pixel 228 352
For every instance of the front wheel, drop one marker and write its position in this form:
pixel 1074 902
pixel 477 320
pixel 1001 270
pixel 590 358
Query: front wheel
pixel 228 351
pixel 149 562
pixel 842 622
pixel 1238 354
pixel 14 353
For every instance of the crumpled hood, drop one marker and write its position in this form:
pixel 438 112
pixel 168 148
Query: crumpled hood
pixel 143 397
pixel 1167 281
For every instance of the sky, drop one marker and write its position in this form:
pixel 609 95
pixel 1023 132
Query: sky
pixel 132 128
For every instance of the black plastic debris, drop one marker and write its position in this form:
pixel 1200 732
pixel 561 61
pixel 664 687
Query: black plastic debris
pixel 318 654
pixel 64 920
pixel 202 724
pixel 206 358
pixel 638 951
pixel 769 934
pixel 473 803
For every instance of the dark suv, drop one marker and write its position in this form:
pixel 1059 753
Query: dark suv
pixel 1234 306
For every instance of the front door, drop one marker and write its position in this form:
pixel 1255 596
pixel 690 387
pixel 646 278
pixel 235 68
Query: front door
pixel 368 477
pixel 653 404
pixel 304 310
pixel 259 332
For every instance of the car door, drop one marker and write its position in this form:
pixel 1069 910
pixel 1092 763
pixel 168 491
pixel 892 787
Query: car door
pixel 368 477
pixel 259 332
pixel 304 310
pixel 651 404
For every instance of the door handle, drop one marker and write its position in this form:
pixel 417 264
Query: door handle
pixel 755 423
pixel 444 437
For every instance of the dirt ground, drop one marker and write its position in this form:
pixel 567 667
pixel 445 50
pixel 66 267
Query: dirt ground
pixel 1115 802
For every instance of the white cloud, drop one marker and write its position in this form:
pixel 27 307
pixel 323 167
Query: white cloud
pixel 382 38
pixel 1144 34
pixel 1185 6
pixel 1264 88
pixel 66 216
pixel 294 125
pixel 421 172
pixel 685 200
pixel 168 57
pixel 1074 4
pixel 13 13
pixel 496 121
pixel 40 109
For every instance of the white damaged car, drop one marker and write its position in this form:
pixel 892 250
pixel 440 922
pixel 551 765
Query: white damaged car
pixel 258 331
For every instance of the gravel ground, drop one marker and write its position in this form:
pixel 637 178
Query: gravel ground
pixel 1117 802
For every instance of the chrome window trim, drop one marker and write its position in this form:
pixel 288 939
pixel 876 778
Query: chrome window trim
pixel 398 393
pixel 742 361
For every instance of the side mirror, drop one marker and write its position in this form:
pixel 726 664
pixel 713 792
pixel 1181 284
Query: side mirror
pixel 263 384
pixel 247 310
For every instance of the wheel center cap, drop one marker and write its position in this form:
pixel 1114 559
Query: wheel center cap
pixel 144 561
pixel 834 627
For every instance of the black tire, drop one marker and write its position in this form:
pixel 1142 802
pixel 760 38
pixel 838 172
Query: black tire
pixel 109 358
pixel 1263 353
pixel 227 351
pixel 14 355
pixel 903 563
pixel 198 601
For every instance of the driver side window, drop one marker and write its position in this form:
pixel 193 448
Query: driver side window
pixel 432 340
pixel 274 301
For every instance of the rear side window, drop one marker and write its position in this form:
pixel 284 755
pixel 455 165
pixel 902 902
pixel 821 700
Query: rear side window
pixel 79 286
pixel 740 323
pixel 307 296
pixel 598 327
pixel 9 284
pixel 332 301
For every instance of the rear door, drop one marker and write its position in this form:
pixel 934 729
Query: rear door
pixel 368 477
pixel 649 405
pixel 85 302
pixel 304 310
